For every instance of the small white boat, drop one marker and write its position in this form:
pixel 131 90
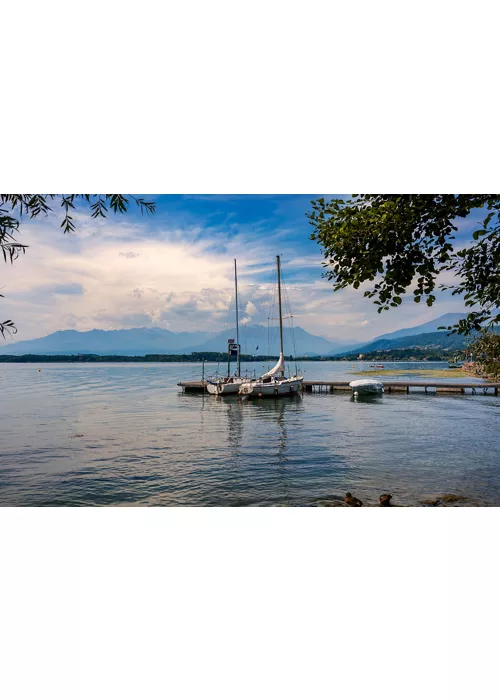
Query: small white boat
pixel 365 387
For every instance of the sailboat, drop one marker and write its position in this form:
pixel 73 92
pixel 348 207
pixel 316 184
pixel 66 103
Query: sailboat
pixel 232 382
pixel 274 382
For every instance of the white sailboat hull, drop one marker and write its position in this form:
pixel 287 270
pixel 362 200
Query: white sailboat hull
pixel 224 386
pixel 277 387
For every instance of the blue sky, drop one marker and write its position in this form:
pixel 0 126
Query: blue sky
pixel 174 270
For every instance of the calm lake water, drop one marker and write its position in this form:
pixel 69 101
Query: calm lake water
pixel 120 434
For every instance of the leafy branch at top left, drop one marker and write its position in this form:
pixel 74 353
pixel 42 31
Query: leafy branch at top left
pixel 14 206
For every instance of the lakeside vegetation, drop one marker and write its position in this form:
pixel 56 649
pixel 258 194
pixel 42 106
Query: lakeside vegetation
pixel 486 351
pixel 432 373
pixel 414 354
pixel 191 357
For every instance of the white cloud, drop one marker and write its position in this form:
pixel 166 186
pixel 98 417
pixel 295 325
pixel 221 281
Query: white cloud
pixel 178 279
pixel 250 309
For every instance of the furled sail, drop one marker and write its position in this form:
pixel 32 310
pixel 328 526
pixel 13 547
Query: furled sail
pixel 279 367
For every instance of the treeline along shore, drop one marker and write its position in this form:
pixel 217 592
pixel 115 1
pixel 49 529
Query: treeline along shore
pixel 192 357
pixel 413 354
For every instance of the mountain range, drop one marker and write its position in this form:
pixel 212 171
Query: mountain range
pixel 254 339
pixel 438 340
pixel 429 327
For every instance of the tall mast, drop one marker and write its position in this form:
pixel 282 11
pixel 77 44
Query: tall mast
pixel 280 312
pixel 237 327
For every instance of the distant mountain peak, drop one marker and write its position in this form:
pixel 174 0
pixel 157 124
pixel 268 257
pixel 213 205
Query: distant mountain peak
pixel 448 319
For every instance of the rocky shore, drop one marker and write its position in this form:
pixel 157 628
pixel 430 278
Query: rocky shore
pixel 437 500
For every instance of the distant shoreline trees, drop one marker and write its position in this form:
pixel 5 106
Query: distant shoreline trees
pixel 405 354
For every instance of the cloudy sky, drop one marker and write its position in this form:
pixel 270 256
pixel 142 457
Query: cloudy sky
pixel 175 270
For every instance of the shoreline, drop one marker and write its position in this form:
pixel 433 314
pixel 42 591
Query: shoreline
pixel 446 500
pixel 209 357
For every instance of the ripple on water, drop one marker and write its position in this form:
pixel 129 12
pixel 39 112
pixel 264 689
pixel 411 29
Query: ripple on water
pixel 140 442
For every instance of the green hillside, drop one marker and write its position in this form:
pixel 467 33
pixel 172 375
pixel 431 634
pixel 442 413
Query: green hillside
pixel 425 346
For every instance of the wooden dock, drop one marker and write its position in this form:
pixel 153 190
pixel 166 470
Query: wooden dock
pixel 196 386
pixel 407 387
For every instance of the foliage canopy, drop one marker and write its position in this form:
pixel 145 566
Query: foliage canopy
pixel 400 241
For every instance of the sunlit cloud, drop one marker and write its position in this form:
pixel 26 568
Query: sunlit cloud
pixel 177 271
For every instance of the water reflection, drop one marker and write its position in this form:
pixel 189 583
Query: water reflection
pixel 261 427
pixel 283 413
pixel 235 435
pixel 366 398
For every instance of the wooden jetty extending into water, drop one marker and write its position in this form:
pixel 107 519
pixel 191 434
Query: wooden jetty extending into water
pixel 405 386
pixel 408 386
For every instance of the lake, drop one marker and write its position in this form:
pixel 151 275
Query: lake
pixel 124 435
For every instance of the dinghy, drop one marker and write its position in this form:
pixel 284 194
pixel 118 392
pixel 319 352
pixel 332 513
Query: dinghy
pixel 365 387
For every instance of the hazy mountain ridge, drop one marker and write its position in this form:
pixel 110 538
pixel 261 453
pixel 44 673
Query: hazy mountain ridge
pixel 144 341
pixel 438 340
pixel 442 340
pixel 257 339
pixel 428 327
pixel 254 339
pixel 133 341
